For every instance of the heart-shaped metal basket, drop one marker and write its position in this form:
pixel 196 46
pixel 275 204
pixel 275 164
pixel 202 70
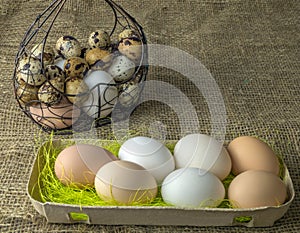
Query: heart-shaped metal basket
pixel 63 90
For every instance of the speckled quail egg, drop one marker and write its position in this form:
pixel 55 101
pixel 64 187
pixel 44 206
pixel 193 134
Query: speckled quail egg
pixel 25 92
pixel 98 59
pixel 129 94
pixel 128 33
pixel 76 67
pixel 76 90
pixel 51 91
pixel 48 53
pixel 131 48
pixel 68 46
pixel 99 39
pixel 48 94
pixel 122 68
pixel 31 71
pixel 56 77
pixel 54 72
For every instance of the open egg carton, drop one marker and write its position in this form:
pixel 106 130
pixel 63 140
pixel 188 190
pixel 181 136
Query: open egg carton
pixel 78 62
pixel 57 204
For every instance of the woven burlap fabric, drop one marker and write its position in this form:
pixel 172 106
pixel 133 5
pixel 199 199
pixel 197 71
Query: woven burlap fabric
pixel 251 49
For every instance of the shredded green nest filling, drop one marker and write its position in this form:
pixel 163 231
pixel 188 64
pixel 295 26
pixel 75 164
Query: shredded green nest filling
pixel 52 190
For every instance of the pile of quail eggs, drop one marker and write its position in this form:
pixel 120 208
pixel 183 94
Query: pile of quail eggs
pixel 58 82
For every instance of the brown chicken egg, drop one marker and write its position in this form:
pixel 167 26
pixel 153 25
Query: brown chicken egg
pixel 77 165
pixel 250 153
pixel 253 189
pixel 58 116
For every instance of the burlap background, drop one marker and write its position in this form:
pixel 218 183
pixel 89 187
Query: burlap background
pixel 250 47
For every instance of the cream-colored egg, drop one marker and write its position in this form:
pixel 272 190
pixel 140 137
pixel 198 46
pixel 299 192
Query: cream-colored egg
pixel 252 189
pixel 250 153
pixel 124 182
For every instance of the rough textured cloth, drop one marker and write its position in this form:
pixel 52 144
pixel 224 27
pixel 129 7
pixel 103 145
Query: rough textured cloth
pixel 250 47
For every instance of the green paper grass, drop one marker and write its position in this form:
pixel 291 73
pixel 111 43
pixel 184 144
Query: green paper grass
pixel 52 190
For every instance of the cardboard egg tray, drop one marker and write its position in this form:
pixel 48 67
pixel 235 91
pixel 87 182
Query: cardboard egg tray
pixel 152 215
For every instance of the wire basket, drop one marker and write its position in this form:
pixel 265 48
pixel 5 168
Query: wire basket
pixel 77 63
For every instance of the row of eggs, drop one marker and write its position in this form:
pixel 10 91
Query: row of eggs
pixel 80 76
pixel 192 177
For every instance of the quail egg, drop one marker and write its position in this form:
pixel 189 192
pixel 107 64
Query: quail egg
pixel 31 71
pixel 56 77
pixel 53 72
pixel 131 48
pixel 48 94
pixel 51 91
pixel 48 53
pixel 128 33
pixel 122 68
pixel 129 94
pixel 76 89
pixel 99 39
pixel 68 46
pixel 76 67
pixel 25 92
pixel 98 59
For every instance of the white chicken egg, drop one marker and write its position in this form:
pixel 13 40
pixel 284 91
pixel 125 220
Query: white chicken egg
pixel 202 151
pixel 102 97
pixel 192 188
pixel 149 153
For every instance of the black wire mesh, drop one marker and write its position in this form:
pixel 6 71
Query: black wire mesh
pixel 57 101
